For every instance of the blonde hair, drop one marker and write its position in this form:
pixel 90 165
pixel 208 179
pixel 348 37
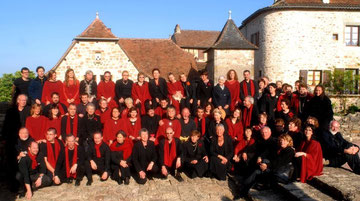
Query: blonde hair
pixel 287 138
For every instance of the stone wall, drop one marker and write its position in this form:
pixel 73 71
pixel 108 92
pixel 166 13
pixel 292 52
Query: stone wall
pixel 82 57
pixel 292 40
pixel 239 60
pixel 341 102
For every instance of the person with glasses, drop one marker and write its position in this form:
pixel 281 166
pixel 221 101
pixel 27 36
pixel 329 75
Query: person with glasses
pixel 140 93
pixel 123 88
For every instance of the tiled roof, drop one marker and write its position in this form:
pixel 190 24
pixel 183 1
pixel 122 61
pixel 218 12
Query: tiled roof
pixel 97 29
pixel 232 38
pixel 195 38
pixel 164 54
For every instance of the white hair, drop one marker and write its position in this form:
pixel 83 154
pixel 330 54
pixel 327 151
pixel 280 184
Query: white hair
pixel 250 98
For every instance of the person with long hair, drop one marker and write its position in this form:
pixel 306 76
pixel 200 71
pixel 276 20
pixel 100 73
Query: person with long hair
pixel 232 83
pixel 70 88
pixel 53 120
pixel 36 123
pixel 234 124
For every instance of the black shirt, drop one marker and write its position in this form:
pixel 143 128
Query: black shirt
pixel 150 123
pixel 26 170
pixel 21 86
pixel 143 155
pixel 187 128
pixel 123 90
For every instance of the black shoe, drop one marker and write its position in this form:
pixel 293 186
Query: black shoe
pixel 21 194
pixel 127 180
pixel 164 177
pixel 77 182
pixel 89 182
pixel 120 181
pixel 69 180
pixel 178 177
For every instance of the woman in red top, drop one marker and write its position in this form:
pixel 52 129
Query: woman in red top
pixel 50 86
pixel 112 126
pixel 36 123
pixel 240 157
pixel 129 103
pixel 106 90
pixel 236 130
pixel 233 85
pixel 104 112
pixel 140 93
pixel 208 110
pixel 175 92
pixel 309 157
pixel 133 124
pixel 54 120
pixel 70 88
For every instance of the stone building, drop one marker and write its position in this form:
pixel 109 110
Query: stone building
pixel 99 50
pixel 305 39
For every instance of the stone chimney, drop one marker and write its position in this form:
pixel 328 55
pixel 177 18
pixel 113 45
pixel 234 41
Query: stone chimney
pixel 177 29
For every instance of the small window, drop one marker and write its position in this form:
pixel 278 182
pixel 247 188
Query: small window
pixel 335 37
pixel 352 35
pixel 98 56
pixel 255 39
pixel 313 77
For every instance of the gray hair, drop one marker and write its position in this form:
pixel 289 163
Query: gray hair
pixel 143 130
pixel 251 99
pixel 220 126
pixel 90 105
pixel 89 72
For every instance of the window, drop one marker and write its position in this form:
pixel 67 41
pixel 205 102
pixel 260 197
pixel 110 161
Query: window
pixel 97 56
pixel 255 38
pixel 313 77
pixel 335 37
pixel 352 35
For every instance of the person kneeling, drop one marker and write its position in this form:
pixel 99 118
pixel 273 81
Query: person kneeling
pixel 195 157
pixel 99 159
pixel 120 158
pixel 170 154
pixel 32 171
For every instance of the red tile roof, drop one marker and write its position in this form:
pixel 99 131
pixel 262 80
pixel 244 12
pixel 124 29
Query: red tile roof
pixel 195 38
pixel 97 29
pixel 349 2
pixel 164 54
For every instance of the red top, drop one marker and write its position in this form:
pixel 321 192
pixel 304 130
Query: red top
pixel 172 89
pixel 49 88
pixel 55 123
pixel 125 148
pixel 242 145
pixel 175 124
pixel 142 93
pixel 104 116
pixel 36 127
pixel 71 92
pixel 294 103
pixel 111 127
pixel 161 112
pixel 107 90
pixel 235 130
pixel 312 164
pixel 234 88
pixel 133 130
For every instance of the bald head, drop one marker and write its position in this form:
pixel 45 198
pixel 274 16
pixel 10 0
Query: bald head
pixel 334 126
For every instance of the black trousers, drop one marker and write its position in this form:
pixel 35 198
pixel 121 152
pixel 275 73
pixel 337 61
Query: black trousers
pixel 150 173
pixel 99 171
pixel 352 160
pixel 218 169
pixel 116 169
pixel 196 170
pixel 45 181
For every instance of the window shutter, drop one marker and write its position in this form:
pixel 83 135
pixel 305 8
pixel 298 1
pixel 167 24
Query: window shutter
pixel 303 76
pixel 326 77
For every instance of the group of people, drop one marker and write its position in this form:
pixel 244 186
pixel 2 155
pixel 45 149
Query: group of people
pixel 255 132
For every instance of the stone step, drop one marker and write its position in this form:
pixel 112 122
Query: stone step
pixel 268 195
pixel 339 183
pixel 302 192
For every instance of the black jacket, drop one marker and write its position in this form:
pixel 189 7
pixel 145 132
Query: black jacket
pixel 160 91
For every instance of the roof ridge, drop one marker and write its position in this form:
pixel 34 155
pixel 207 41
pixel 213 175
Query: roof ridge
pixel 103 29
pixel 199 30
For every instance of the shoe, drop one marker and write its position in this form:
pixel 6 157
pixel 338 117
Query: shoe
pixel 69 181
pixel 164 177
pixel 89 182
pixel 120 181
pixel 178 177
pixel 77 182
pixel 127 180
pixel 22 194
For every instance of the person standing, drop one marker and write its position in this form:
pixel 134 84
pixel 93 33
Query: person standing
pixel 36 86
pixel 21 84
pixel 123 88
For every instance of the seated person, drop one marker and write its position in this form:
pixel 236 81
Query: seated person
pixel 150 121
pixel 98 159
pixel 144 157
pixel 32 171
pixel 309 158
pixel 295 132
pixel 81 107
pixel 339 151
pixel 170 121
pixel 170 154
pixel 73 159
pixel 120 158
pixel 241 157
pixel 51 150
pixel 234 123
pixel 187 124
pixel 195 156
pixel 55 99
pixel 201 121
pixel 285 113
pixel 221 152
pixel 23 142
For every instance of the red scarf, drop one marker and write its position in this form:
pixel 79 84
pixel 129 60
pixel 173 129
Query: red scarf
pixel 203 125
pixel 97 149
pixel 61 109
pixel 247 116
pixel 50 152
pixel 126 148
pixel 67 161
pixel 34 163
pixel 169 155
pixel 75 125
pixel 252 88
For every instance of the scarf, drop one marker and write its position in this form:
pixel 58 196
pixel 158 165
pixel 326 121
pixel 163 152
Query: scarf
pixel 50 152
pixel 75 125
pixel 125 147
pixel 203 122
pixel 34 163
pixel 67 161
pixel 169 155
pixel 252 88
pixel 247 116
pixel 97 149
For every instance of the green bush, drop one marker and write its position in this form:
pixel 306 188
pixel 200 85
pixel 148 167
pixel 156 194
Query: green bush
pixel 6 83
pixel 353 109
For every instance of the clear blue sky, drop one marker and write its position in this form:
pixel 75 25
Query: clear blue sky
pixel 38 32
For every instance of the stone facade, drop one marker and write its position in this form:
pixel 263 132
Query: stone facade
pixel 221 61
pixel 342 102
pixel 98 56
pixel 294 40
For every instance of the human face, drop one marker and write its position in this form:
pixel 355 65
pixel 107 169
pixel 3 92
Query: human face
pixel 55 98
pixel 236 113
pixel 55 112
pixel 171 113
pixel 221 81
pixel 185 113
pixel 265 133
pixel 72 110
pixel 21 100
pixel 246 75
pixel 23 134
pixel 279 85
pixel 34 148
pixel 37 111
pixel 263 120
pixel 156 74
pixel 71 74
pixel 141 78
pixel 103 104
pixel 284 106
pixel 248 133
pixel 217 116
pixel 194 138
pixel 133 114
pixel 204 77
pixel 120 138
pixel 183 78
pixel 98 138
pixel 53 77
pixel 311 121
pixel 220 131
pixel 25 74
pixel 125 76
pixel 151 112
pixel 288 90
pixel 261 85
pixel 84 99
pixel 129 104
pixel 163 103
pixel 115 113
pixel 90 110
pixel 107 77
pixel 318 91
pixel 40 72
pixel 232 75
pixel 144 136
pixel 169 133
pixel 200 113
pixel 297 86
pixel 279 127
pixel 308 132
pixel 70 141
pixel 50 136
pixel 335 126
pixel 247 102
pixel 208 108
pixel 283 143
pixel 303 91
pixel 292 127
pixel 89 76
pixel 272 89
pixel 172 78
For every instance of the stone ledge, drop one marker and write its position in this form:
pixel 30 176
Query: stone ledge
pixel 302 192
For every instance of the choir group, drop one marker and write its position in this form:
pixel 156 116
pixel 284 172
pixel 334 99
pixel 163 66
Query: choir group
pixel 254 132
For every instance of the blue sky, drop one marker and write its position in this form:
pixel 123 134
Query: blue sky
pixel 37 33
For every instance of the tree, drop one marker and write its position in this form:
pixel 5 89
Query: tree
pixel 342 81
pixel 6 83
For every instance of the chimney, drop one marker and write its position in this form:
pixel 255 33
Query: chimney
pixel 177 29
